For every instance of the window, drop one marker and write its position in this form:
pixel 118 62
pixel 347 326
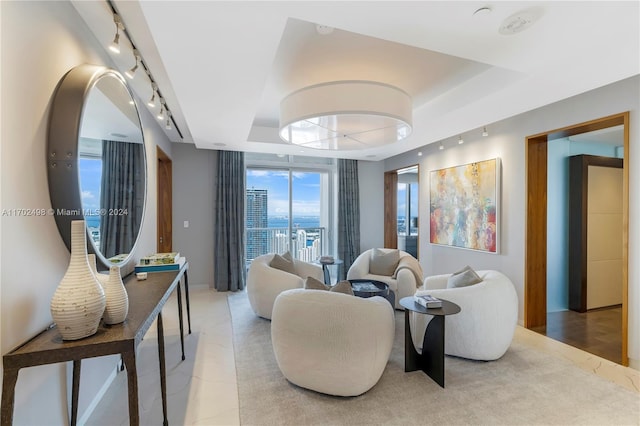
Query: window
pixel 288 206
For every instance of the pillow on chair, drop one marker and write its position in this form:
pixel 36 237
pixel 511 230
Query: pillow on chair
pixel 313 284
pixel 384 263
pixel 463 278
pixel 342 287
pixel 284 263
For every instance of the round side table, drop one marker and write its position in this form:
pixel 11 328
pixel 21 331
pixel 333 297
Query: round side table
pixel 431 360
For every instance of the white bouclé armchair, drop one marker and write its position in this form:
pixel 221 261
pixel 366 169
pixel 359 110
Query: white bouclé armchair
pixel 403 282
pixel 484 328
pixel 265 283
pixel 332 342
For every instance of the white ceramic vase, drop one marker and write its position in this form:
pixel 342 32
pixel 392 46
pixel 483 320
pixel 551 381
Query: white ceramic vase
pixel 79 301
pixel 117 298
pixel 102 278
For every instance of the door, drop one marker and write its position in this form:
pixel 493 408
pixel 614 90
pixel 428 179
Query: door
pixel 165 217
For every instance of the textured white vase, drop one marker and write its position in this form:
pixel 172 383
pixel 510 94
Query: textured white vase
pixel 117 298
pixel 78 302
pixel 102 278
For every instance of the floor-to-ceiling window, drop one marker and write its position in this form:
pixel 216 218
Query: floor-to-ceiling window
pixel 289 206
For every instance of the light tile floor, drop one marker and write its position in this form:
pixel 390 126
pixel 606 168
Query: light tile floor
pixel 209 374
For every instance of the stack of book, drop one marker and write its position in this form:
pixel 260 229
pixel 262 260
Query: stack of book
pixel 160 262
pixel 428 301
pixel 160 259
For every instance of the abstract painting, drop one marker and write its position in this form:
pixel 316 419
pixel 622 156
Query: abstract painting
pixel 464 206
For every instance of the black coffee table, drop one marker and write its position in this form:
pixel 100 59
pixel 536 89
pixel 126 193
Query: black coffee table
pixel 431 360
pixel 370 288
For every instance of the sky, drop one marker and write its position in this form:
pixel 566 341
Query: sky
pixel 90 175
pixel 306 191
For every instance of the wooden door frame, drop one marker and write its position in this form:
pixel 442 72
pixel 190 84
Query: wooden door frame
pixel 391 208
pixel 162 157
pixel 535 261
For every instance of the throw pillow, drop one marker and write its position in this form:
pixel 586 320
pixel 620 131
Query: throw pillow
pixel 463 278
pixel 383 263
pixel 284 263
pixel 313 284
pixel 343 287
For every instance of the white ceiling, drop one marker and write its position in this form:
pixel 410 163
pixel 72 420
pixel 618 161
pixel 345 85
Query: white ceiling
pixel 224 67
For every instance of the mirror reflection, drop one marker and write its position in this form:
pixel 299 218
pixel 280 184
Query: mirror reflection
pixel 111 169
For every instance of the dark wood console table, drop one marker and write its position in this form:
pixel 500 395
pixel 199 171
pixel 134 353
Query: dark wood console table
pixel 146 299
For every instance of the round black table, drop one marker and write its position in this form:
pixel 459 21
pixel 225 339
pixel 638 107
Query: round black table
pixel 431 360
pixel 370 288
pixel 325 269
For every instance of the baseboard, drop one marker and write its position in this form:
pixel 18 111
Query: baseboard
pixel 98 397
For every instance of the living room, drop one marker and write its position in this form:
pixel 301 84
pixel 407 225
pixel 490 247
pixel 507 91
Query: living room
pixel 44 40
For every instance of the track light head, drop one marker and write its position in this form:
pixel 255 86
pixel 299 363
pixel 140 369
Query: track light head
pixel 132 72
pixel 460 140
pixel 115 44
pixel 484 132
pixel 154 89
pixel 441 147
pixel 161 113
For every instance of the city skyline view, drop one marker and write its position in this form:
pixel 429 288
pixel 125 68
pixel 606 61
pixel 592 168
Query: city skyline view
pixel 305 191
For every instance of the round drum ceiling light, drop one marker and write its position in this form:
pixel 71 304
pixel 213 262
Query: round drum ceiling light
pixel 346 115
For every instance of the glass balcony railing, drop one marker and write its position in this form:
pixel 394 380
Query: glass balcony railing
pixel 306 244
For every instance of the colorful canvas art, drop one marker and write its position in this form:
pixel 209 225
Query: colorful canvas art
pixel 464 206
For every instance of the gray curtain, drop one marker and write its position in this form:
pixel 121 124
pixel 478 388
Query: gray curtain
pixel 228 257
pixel 348 213
pixel 121 196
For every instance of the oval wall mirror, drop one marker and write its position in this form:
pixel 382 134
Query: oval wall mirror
pixel 97 162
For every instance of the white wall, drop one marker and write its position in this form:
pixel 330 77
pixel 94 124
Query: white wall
pixel 41 41
pixel 194 185
pixel 506 140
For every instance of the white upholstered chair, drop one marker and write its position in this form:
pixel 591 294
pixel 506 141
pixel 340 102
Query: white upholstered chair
pixel 404 280
pixel 330 342
pixel 265 283
pixel 484 328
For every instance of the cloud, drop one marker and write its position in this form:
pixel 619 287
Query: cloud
pixel 87 195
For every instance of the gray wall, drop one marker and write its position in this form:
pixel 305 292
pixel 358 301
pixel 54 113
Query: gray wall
pixel 506 140
pixel 371 181
pixel 41 41
pixel 194 180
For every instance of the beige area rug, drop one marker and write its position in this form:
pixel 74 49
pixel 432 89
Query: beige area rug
pixel 525 387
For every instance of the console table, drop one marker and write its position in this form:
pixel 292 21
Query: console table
pixel 146 299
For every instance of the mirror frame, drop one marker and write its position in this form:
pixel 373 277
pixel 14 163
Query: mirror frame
pixel 67 109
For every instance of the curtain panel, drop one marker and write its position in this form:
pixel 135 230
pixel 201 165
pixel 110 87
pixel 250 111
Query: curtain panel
pixel 348 213
pixel 122 187
pixel 229 262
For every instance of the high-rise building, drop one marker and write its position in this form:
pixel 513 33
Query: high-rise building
pixel 256 205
